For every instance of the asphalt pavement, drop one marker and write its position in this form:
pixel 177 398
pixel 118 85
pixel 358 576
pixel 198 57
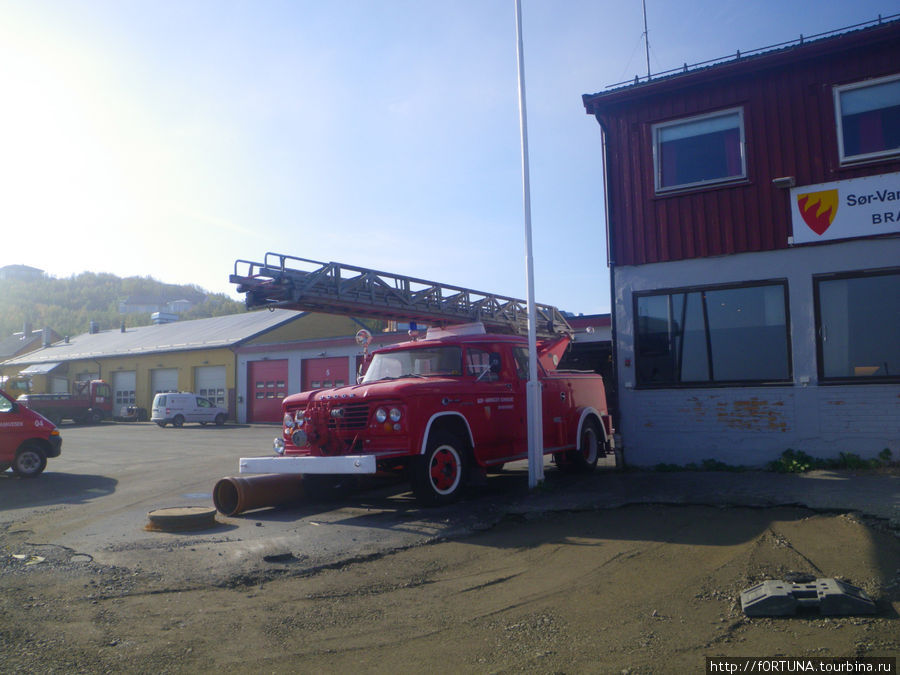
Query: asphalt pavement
pixel 93 503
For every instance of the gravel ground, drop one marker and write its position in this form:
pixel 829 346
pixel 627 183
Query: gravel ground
pixel 635 589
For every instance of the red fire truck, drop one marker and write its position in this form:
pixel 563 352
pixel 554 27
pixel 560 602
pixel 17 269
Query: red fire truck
pixel 444 408
pixel 90 403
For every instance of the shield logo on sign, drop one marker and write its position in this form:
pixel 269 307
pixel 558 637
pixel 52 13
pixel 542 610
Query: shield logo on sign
pixel 818 209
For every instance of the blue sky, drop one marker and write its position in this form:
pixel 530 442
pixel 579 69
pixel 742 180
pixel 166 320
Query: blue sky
pixel 167 139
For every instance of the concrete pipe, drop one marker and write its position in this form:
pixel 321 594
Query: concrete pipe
pixel 237 494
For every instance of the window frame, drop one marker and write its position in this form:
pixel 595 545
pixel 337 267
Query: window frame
pixel 817 313
pixel 839 122
pixel 658 127
pixel 781 283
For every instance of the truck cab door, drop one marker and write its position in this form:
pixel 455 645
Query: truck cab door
pixel 12 428
pixel 496 417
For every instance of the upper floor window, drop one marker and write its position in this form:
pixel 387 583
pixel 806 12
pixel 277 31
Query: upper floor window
pixel 868 115
pixel 700 150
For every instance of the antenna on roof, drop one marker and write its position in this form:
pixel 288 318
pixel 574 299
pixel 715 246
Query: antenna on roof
pixel 646 38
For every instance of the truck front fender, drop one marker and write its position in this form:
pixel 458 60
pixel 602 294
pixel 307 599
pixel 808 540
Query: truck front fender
pixel 586 414
pixel 448 414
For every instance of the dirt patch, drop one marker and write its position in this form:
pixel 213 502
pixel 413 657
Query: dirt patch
pixel 636 589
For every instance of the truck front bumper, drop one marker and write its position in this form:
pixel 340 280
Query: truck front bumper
pixel 338 465
pixel 55 442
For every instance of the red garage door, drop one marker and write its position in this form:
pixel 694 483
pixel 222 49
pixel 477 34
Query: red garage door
pixel 267 385
pixel 325 373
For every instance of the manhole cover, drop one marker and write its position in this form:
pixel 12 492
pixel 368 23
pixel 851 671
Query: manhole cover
pixel 181 518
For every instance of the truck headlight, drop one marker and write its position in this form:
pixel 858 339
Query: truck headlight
pixel 380 415
pixel 395 414
pixel 288 420
pixel 278 446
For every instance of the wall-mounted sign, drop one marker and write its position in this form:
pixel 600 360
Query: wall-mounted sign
pixel 859 207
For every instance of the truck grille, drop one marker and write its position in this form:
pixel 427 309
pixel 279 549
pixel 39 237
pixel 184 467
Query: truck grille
pixel 355 417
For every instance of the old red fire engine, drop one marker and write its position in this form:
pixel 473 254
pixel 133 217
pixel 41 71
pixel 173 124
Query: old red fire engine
pixel 443 408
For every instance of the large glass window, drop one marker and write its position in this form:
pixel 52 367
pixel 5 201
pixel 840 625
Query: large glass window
pixel 713 335
pixel 858 322
pixel 699 150
pixel 868 117
pixel 415 362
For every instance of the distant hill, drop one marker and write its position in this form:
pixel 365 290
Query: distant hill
pixel 69 305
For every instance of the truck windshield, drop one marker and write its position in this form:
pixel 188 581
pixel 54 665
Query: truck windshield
pixel 415 363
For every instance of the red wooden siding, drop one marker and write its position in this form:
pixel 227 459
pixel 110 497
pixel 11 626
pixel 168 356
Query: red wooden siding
pixel 789 127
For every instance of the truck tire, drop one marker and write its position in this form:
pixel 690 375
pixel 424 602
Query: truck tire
pixel 584 458
pixel 30 461
pixel 438 476
pixel 220 419
pixel 178 422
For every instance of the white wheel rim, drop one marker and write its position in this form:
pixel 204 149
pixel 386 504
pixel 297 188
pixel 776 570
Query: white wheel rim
pixel 445 470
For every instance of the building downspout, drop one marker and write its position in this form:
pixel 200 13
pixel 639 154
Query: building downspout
pixel 611 263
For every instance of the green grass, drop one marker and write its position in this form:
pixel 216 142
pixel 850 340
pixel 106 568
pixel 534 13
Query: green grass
pixel 791 461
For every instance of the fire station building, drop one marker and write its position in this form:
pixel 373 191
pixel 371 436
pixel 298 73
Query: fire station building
pixel 753 221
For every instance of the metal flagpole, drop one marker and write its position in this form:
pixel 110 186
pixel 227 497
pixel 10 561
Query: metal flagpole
pixel 533 389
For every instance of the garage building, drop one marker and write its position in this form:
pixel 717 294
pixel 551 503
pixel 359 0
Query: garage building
pixel 199 355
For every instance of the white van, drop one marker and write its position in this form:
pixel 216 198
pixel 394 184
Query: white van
pixel 178 408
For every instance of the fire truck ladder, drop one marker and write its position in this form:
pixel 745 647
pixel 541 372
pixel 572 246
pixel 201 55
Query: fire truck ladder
pixel 288 282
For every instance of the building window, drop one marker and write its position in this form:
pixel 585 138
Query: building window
pixel 214 395
pixel 868 117
pixel 714 335
pixel 699 151
pixel 858 326
pixel 124 397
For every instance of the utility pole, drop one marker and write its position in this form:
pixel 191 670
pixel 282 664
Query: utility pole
pixel 533 388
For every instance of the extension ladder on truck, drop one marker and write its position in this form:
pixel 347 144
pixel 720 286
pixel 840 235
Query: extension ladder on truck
pixel 297 283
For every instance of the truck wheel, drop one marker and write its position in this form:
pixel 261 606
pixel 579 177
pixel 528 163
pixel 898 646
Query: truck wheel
pixel 178 421
pixel 438 475
pixel 30 461
pixel 220 419
pixel 582 460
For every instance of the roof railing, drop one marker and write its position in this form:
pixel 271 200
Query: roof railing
pixel 738 55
